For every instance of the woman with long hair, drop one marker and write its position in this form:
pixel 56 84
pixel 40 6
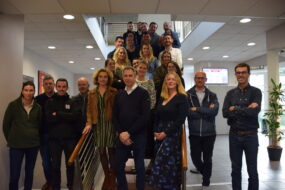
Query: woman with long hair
pixel 160 72
pixel 174 67
pixel 99 116
pixel 172 110
pixel 121 60
pixel 146 54
pixel 21 126
pixel 117 83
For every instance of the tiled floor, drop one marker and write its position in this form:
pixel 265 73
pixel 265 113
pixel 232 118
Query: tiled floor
pixel 271 174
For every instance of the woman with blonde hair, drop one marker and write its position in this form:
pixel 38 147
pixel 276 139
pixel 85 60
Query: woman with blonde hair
pixel 146 54
pixel 172 110
pixel 121 60
pixel 99 116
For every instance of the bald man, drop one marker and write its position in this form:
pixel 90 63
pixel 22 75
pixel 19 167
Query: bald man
pixel 80 101
pixel 203 109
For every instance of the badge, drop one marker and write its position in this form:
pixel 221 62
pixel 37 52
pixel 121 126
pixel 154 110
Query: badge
pixel 67 106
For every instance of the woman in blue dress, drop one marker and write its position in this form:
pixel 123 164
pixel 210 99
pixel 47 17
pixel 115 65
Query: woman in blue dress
pixel 172 110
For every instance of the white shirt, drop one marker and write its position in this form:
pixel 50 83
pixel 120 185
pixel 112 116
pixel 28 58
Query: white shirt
pixel 176 56
pixel 201 95
pixel 132 89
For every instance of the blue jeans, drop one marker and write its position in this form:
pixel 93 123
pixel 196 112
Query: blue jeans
pixel 122 154
pixel 46 158
pixel 16 159
pixel 249 145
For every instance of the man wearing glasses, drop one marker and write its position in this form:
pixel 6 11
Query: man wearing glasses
pixel 203 109
pixel 241 108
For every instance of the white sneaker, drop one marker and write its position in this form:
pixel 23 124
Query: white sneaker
pixel 205 187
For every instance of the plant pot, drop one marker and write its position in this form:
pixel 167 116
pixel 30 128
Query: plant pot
pixel 274 153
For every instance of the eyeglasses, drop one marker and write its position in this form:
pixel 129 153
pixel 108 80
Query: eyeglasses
pixel 200 78
pixel 241 73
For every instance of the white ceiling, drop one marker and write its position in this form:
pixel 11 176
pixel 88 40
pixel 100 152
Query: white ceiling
pixel 45 26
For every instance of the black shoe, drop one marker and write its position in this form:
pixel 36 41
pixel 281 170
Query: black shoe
pixel 194 171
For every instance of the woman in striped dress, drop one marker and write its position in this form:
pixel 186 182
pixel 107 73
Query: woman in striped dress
pixel 99 116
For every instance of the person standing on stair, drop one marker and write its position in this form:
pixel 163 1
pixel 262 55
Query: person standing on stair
pixel 99 117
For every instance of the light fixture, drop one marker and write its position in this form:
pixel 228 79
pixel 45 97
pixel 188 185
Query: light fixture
pixel 190 59
pixel 251 44
pixel 245 20
pixel 97 58
pixel 51 47
pixel 225 56
pixel 68 17
pixel 70 62
pixel 206 48
pixel 89 47
pixel 92 68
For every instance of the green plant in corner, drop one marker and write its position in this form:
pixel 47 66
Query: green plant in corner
pixel 272 116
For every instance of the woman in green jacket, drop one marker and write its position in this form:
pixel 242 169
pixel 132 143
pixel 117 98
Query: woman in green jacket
pixel 21 127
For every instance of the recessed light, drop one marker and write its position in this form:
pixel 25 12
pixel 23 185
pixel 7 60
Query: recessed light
pixel 51 47
pixel 251 44
pixel 71 62
pixel 225 56
pixel 92 68
pixel 68 17
pixel 89 47
pixel 97 58
pixel 206 47
pixel 190 59
pixel 245 20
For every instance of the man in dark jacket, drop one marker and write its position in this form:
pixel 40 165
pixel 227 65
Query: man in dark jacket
pixel 80 101
pixel 61 115
pixel 130 115
pixel 48 84
pixel 203 109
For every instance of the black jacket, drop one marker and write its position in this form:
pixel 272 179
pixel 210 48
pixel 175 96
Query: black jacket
pixel 62 125
pixel 202 121
pixel 79 103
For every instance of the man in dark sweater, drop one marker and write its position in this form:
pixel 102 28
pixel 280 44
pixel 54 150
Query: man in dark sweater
pixel 80 101
pixel 241 107
pixel 61 116
pixel 119 42
pixel 48 84
pixel 130 115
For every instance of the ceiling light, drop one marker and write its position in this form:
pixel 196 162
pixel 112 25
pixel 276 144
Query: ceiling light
pixel 190 59
pixel 245 20
pixel 92 68
pixel 89 47
pixel 71 62
pixel 51 47
pixel 251 44
pixel 97 58
pixel 68 17
pixel 206 47
pixel 225 56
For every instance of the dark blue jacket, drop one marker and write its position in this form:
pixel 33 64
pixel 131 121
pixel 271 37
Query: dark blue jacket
pixel 202 121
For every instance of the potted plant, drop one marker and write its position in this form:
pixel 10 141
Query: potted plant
pixel 272 120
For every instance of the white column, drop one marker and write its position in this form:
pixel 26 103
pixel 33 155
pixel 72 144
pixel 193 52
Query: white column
pixel 11 77
pixel 272 67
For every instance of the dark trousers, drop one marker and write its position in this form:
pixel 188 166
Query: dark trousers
pixel 122 154
pixel 249 145
pixel 46 158
pixel 16 159
pixel 56 148
pixel 203 146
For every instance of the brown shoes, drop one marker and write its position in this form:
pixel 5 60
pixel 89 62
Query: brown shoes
pixel 47 186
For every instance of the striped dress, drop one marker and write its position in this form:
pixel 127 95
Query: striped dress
pixel 104 130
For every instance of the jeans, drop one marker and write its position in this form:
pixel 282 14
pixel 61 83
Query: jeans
pixel 203 145
pixel 57 146
pixel 122 154
pixel 46 158
pixel 249 145
pixel 16 159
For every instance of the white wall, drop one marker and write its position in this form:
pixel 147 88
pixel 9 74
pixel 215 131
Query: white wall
pixel 11 55
pixel 33 63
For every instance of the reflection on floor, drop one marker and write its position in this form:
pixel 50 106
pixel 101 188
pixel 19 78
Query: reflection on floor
pixel 271 174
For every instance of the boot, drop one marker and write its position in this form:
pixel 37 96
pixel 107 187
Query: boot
pixel 113 182
pixel 47 186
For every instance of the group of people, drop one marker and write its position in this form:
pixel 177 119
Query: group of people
pixel 133 115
